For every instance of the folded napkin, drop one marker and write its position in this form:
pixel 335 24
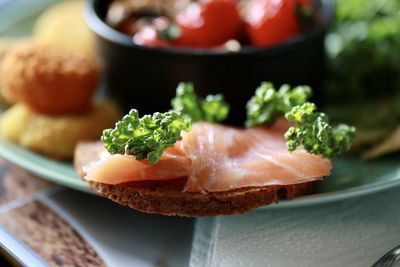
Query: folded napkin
pixel 354 232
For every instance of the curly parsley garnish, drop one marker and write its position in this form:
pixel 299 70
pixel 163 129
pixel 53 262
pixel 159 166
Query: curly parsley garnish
pixel 268 103
pixel 149 136
pixel 145 137
pixel 212 109
pixel 313 132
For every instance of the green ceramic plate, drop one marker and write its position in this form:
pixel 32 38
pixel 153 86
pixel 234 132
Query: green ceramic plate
pixel 351 177
pixel 54 171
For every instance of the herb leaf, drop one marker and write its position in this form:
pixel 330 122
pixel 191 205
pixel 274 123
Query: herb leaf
pixel 186 102
pixel 313 132
pixel 212 109
pixel 145 137
pixel 268 103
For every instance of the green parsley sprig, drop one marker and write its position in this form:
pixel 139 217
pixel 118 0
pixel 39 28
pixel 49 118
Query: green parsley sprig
pixel 313 132
pixel 145 137
pixel 149 136
pixel 268 103
pixel 212 109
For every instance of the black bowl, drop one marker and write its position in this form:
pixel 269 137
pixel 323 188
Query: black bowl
pixel 146 78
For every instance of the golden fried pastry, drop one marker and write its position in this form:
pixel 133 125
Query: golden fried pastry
pixel 63 25
pixel 49 79
pixel 5 46
pixel 56 136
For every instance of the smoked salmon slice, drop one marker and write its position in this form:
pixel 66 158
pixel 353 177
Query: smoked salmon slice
pixel 218 158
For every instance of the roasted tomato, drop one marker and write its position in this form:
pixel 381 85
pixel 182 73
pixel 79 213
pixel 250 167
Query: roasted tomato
pixel 269 22
pixel 208 23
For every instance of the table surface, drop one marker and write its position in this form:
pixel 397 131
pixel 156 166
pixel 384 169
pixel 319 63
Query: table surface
pixel 49 225
pixel 44 224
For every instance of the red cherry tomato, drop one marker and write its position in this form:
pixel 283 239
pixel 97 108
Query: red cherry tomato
pixel 269 22
pixel 208 23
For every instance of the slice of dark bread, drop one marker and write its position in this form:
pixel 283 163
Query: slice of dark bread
pixel 168 198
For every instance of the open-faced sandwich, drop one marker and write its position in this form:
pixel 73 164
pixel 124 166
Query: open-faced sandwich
pixel 183 162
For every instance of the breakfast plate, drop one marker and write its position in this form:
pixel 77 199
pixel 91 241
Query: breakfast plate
pixel 351 177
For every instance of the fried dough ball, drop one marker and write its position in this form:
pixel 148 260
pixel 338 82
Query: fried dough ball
pixel 56 136
pixel 5 46
pixel 63 25
pixel 49 79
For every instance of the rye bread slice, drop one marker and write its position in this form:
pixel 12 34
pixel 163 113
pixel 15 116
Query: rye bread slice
pixel 167 198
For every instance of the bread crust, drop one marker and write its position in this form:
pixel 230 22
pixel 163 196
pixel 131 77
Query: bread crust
pixel 168 198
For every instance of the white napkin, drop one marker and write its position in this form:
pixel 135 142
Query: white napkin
pixel 355 232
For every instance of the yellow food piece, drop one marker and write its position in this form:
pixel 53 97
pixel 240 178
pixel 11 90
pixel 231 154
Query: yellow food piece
pixel 14 121
pixel 63 24
pixel 56 136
